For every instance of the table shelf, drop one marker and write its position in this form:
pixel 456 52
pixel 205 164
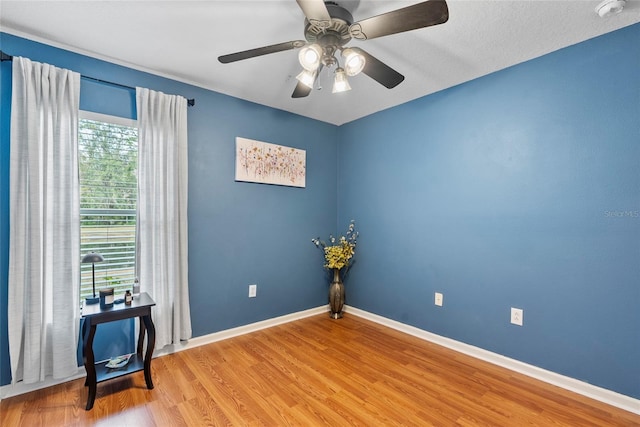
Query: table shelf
pixel 136 363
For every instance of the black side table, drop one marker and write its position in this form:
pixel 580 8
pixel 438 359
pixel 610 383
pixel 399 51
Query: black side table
pixel 93 315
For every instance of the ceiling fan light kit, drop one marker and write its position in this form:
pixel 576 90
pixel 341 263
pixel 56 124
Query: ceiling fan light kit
pixel 354 62
pixel 610 7
pixel 310 56
pixel 307 78
pixel 329 27
pixel 341 84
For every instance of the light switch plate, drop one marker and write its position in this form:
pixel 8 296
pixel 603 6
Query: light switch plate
pixel 439 299
pixel 517 316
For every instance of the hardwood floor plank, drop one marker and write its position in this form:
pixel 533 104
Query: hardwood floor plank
pixel 168 371
pixel 311 372
pixel 11 415
pixel 196 412
pixel 164 415
pixel 389 407
pixel 314 408
pixel 256 403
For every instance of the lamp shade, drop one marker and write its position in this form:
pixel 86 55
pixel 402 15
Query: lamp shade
pixel 307 78
pixel 92 257
pixel 310 56
pixel 341 84
pixel 354 61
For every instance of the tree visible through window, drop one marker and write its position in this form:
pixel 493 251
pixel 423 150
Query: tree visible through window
pixel 108 160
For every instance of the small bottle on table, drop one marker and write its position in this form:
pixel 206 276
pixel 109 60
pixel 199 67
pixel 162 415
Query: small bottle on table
pixel 136 287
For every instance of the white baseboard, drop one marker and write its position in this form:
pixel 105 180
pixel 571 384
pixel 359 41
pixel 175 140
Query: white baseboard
pixel 240 330
pixel 603 395
pixel 594 392
pixel 11 390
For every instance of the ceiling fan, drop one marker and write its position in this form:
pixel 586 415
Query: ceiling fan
pixel 328 27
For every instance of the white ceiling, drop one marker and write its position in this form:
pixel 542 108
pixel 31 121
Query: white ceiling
pixel 183 39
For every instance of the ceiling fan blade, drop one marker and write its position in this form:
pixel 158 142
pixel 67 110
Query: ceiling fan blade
pixel 316 12
pixel 421 15
pixel 265 50
pixel 301 90
pixel 379 71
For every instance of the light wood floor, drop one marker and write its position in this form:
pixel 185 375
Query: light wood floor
pixel 316 371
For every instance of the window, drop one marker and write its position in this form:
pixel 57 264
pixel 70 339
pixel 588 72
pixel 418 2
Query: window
pixel 108 160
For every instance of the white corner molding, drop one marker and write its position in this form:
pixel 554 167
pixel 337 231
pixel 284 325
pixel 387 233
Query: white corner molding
pixel 594 392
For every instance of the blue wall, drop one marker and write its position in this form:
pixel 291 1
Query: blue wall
pixel 239 233
pixel 518 189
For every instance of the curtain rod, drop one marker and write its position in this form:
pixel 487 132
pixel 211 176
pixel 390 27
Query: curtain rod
pixel 5 57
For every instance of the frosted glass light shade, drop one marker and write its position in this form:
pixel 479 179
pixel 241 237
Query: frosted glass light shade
pixel 341 84
pixel 354 62
pixel 310 57
pixel 307 78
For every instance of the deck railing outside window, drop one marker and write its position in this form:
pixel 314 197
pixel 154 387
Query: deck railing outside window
pixel 108 192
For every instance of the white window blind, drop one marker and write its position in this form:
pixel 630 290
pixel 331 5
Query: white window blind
pixel 108 159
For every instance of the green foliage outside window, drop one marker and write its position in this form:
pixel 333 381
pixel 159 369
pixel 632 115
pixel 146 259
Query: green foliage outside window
pixel 108 161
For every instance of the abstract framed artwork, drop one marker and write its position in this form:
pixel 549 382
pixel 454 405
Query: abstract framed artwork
pixel 267 163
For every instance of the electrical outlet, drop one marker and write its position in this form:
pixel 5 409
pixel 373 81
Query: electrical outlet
pixel 253 289
pixel 517 316
pixel 438 299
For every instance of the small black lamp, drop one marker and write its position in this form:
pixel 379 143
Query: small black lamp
pixel 92 258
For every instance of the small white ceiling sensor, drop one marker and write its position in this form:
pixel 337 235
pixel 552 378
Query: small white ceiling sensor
pixel 610 7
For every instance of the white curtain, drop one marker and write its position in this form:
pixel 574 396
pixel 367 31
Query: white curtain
pixel 44 250
pixel 162 212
